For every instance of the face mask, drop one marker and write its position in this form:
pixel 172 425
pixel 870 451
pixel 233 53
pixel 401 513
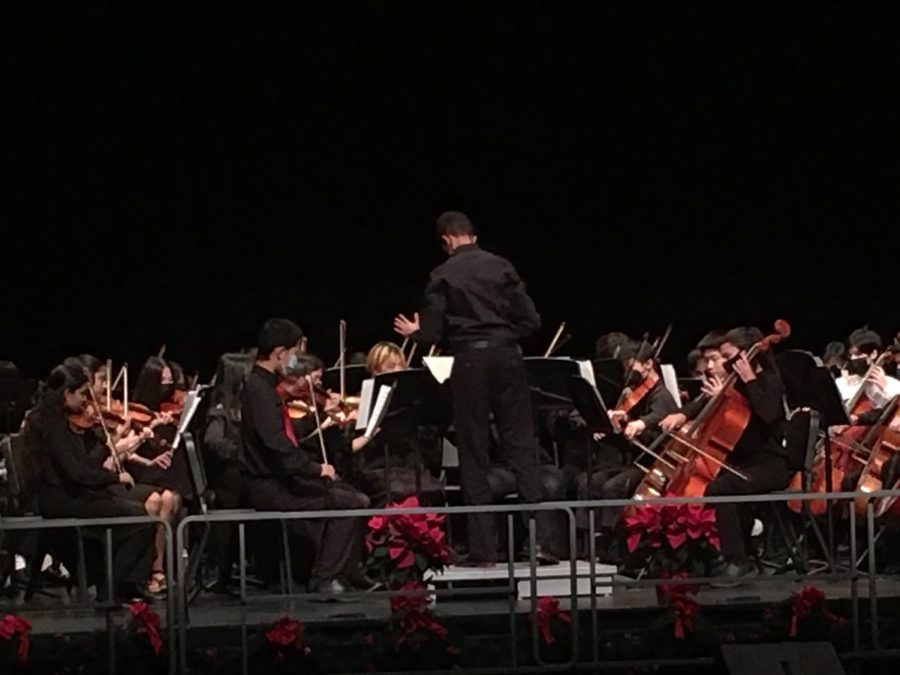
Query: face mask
pixel 291 365
pixel 634 379
pixel 857 366
pixel 166 391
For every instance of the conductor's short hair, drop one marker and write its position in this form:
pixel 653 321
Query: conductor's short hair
pixel 454 223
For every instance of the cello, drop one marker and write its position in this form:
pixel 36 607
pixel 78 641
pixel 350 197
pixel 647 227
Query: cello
pixel 687 462
pixel 844 448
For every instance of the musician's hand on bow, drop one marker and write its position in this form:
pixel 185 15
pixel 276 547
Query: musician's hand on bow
pixel 162 460
pixel 333 403
pixel 109 464
pixel 405 326
pixel 634 428
pixel 744 368
pixel 359 443
pixel 599 436
pixel 162 418
pixel 673 422
pixel 877 377
pixel 328 471
pixel 712 386
pixel 126 479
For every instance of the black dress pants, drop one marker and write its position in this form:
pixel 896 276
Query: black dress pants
pixel 766 472
pixel 485 382
pixel 132 544
pixel 338 541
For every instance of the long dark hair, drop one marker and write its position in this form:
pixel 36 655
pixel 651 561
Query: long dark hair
pixel 49 399
pixel 230 374
pixel 148 389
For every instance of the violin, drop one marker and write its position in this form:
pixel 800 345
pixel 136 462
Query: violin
pixel 175 406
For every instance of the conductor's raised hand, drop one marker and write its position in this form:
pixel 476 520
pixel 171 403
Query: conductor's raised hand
pixel 405 326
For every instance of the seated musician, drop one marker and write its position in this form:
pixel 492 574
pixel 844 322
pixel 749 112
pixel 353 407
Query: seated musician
pixel 77 485
pixel 759 455
pixel 641 424
pixel 395 467
pixel 221 444
pixel 278 476
pixel 860 370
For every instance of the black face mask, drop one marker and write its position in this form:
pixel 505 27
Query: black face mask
pixel 728 366
pixel 857 366
pixel 166 391
pixel 634 379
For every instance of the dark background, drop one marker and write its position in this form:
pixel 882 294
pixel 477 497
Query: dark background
pixel 179 173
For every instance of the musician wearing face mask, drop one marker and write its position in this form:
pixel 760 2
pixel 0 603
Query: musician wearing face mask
pixel 713 377
pixel 648 404
pixel 759 455
pixel 861 370
pixel 278 476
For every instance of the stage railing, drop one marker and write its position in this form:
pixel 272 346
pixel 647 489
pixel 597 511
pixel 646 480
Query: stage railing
pixel 576 603
pixel 110 607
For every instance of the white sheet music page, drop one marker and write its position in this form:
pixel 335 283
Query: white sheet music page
pixel 586 370
pixel 378 410
pixel 440 367
pixel 365 403
pixel 670 380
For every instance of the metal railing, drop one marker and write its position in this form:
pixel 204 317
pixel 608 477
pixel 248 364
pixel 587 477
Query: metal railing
pixel 581 607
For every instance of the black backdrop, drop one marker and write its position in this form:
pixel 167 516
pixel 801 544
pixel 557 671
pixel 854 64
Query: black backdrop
pixel 178 173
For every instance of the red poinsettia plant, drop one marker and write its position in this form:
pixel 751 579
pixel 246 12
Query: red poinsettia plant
pixel 673 538
pixel 404 547
pixel 807 614
pixel 145 622
pixel 285 637
pixel 549 612
pixel 14 628
pixel 414 623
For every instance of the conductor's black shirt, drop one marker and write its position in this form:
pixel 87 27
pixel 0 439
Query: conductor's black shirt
pixel 475 295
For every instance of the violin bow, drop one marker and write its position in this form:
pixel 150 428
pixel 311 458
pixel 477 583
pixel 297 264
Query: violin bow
pixel 559 332
pixel 661 342
pixel 315 409
pixel 342 335
pixel 109 441
pixel 109 384
pixel 162 352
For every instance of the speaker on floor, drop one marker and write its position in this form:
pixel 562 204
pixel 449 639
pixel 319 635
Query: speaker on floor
pixel 782 658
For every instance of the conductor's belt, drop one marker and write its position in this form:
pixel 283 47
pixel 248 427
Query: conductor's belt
pixel 470 345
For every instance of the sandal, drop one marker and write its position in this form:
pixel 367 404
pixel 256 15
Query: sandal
pixel 157 582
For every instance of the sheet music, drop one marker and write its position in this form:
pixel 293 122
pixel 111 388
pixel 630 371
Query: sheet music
pixel 440 367
pixel 365 403
pixel 670 380
pixel 586 370
pixel 378 410
pixel 191 403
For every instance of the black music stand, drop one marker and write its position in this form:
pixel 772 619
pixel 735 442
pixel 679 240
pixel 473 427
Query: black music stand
pixel 809 384
pixel 590 404
pixel 609 374
pixel 353 378
pixel 548 378
pixel 416 400
pixel 15 399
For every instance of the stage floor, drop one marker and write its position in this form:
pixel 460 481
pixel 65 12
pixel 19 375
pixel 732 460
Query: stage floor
pixel 54 615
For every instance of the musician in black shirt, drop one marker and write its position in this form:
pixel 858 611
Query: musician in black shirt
pixel 278 476
pixel 476 303
pixel 76 485
pixel 760 454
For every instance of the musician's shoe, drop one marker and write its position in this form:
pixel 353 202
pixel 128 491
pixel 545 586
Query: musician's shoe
pixel 361 582
pixel 328 590
pixel 732 574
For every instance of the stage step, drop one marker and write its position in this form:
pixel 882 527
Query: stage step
pixel 552 580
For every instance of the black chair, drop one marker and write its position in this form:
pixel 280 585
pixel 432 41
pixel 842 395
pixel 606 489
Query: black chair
pixel 21 491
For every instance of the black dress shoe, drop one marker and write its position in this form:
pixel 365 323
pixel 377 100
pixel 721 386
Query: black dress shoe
pixel 361 582
pixel 328 590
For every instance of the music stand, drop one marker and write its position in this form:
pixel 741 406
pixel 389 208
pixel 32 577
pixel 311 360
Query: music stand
pixel 809 384
pixel 416 400
pixel 353 378
pixel 609 374
pixel 548 378
pixel 15 399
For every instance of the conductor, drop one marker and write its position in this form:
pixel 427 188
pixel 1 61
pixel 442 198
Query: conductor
pixel 476 303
